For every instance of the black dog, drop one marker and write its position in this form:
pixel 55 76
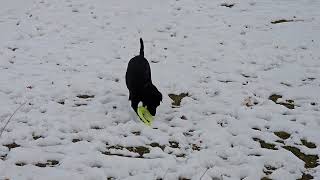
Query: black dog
pixel 139 83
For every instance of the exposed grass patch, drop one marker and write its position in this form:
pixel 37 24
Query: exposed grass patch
pixel 154 144
pixel 265 145
pixel 229 5
pixel 310 160
pixel 141 150
pixel 50 163
pixel 306 177
pixel 85 96
pixel 183 117
pixel 3 157
pixel 61 102
pixel 226 81
pixel 177 98
pixel 80 104
pixel 282 134
pixel 308 144
pixel 137 133
pixel 288 104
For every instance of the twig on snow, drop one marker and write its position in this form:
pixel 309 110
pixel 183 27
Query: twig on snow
pixel 204 172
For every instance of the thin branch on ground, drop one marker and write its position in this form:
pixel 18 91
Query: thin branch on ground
pixel 4 127
pixel 165 174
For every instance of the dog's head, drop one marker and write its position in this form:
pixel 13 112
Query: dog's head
pixel 152 98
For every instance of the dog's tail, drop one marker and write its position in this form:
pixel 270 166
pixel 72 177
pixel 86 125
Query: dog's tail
pixel 141 48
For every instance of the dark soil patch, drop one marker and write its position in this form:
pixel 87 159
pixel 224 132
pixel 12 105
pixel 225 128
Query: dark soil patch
pixel 96 127
pixel 265 178
pixel 310 160
pixel 3 157
pixel 20 164
pixel 181 155
pixel 85 96
pixel 35 137
pixel 80 104
pixel 269 169
pixel 308 144
pixel 61 102
pixel 288 103
pixel 281 21
pixel 154 144
pixel 141 150
pixel 11 146
pixel 76 140
pixel 256 129
pixel 183 117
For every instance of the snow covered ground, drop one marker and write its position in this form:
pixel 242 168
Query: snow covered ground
pixel 250 71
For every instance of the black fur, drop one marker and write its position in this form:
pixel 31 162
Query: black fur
pixel 139 83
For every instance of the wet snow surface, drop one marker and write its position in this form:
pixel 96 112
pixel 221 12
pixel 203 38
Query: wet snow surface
pixel 240 80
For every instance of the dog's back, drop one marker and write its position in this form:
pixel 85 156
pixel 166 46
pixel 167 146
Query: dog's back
pixel 138 72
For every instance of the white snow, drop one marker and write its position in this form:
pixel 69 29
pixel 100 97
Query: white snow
pixel 228 60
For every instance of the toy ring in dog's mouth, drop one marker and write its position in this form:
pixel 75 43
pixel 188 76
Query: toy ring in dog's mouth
pixel 145 115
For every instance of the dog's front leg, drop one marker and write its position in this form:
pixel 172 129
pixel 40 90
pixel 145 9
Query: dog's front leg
pixel 134 104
